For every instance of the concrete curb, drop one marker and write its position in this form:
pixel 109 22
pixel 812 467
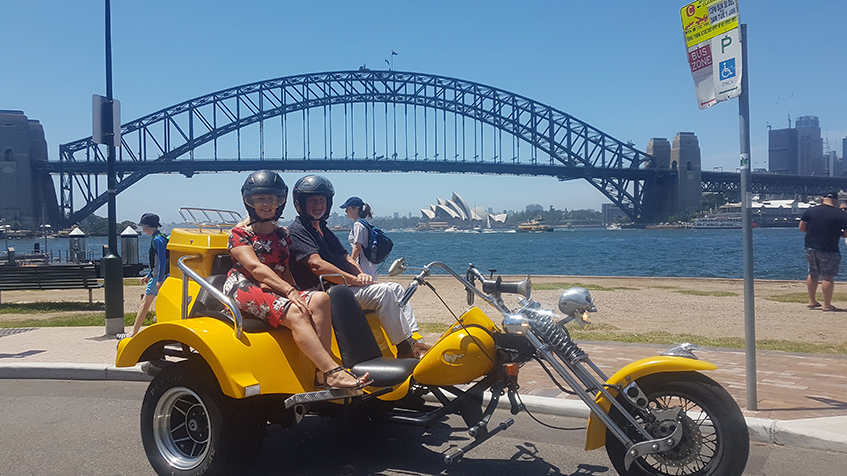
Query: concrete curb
pixel 68 371
pixel 813 433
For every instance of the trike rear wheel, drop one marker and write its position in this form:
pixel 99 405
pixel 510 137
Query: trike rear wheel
pixel 189 427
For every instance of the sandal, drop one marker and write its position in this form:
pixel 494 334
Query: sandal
pixel 361 382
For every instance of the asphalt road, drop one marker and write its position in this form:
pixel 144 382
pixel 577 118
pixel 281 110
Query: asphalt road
pixel 52 427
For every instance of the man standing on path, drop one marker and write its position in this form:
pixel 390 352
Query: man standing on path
pixel 824 225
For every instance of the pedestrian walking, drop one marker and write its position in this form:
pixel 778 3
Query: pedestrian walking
pixel 824 225
pixel 158 259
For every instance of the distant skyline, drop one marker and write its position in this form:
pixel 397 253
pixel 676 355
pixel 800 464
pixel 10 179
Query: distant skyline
pixel 620 66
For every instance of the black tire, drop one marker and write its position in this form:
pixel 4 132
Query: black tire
pixel 189 427
pixel 717 443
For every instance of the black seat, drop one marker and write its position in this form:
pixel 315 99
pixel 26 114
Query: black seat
pixel 386 371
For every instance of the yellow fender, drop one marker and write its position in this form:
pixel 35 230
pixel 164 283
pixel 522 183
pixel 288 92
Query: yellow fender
pixel 596 434
pixel 270 360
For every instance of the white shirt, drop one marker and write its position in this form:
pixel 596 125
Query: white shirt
pixel 359 234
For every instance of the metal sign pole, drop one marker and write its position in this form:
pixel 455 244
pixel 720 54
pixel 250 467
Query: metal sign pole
pixel 111 263
pixel 747 227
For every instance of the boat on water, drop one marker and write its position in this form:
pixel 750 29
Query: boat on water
pixel 452 229
pixel 534 225
pixel 718 221
pixel 614 226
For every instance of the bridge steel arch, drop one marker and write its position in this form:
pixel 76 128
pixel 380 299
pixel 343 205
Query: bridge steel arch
pixel 165 141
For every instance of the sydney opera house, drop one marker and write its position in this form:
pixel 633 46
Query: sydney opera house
pixel 456 213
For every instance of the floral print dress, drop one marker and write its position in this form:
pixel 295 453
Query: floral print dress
pixel 244 289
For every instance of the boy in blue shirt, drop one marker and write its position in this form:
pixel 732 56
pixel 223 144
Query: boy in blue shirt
pixel 158 269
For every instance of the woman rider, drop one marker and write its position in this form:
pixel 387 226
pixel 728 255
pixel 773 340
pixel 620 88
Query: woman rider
pixel 260 281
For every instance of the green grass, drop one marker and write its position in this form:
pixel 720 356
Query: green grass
pixel 590 287
pixel 81 320
pixel 45 307
pixel 803 298
pixel 606 332
pixel 693 292
pixel 666 338
pixel 436 327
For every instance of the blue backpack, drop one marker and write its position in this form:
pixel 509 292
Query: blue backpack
pixel 379 244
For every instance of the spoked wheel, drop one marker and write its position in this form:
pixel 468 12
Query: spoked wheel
pixel 189 427
pixel 715 439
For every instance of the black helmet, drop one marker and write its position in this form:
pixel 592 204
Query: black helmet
pixel 312 185
pixel 264 182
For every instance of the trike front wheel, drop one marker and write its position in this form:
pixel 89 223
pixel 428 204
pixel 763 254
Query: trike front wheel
pixel 715 439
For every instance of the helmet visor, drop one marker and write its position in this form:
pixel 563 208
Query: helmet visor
pixel 265 200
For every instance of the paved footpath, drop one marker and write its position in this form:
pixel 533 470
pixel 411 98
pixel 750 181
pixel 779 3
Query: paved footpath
pixel 802 398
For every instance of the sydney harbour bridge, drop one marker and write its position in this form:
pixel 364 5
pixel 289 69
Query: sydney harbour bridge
pixel 383 121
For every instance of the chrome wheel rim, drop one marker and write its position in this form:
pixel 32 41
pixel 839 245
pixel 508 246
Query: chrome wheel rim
pixel 181 428
pixel 700 444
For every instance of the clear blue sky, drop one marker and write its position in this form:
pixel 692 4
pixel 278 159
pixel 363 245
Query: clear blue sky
pixel 620 66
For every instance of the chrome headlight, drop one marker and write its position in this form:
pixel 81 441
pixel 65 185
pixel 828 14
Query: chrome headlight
pixel 515 324
pixel 576 301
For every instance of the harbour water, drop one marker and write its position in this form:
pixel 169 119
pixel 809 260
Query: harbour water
pixel 778 252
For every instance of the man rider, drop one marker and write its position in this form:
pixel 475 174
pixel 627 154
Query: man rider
pixel 316 251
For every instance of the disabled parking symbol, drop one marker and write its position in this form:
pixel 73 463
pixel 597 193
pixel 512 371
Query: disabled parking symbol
pixel 727 69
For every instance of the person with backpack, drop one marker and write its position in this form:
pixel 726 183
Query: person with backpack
pixel 360 235
pixel 316 251
pixel 158 259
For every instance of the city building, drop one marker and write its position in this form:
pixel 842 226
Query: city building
pixel 782 151
pixel 799 150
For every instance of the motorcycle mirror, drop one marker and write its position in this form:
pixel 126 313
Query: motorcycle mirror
pixel 397 267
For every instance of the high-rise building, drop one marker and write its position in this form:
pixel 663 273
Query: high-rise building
pixel 798 150
pixel 782 151
pixel 810 157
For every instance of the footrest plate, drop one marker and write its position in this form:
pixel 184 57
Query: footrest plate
pixel 322 396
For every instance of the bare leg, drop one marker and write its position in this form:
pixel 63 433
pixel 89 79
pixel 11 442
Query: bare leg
pixel 828 287
pixel 146 303
pixel 307 340
pixel 322 319
pixel 812 287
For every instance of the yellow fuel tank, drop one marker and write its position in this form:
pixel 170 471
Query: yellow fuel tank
pixel 464 353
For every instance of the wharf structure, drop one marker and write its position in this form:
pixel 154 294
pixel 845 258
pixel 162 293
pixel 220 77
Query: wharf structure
pixel 772 213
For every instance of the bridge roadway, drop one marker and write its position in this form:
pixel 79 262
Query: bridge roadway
pixel 712 182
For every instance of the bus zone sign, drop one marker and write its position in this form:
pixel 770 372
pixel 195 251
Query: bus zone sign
pixel 713 43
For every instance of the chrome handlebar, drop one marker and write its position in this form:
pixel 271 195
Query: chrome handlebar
pixel 186 300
